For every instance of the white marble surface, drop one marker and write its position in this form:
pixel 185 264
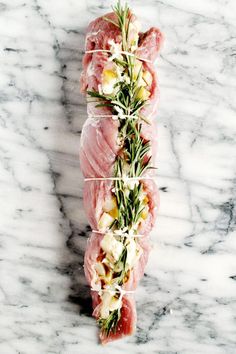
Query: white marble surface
pixel 187 299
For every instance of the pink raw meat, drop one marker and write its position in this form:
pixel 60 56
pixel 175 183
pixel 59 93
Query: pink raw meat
pixel 127 322
pixel 150 43
pixel 95 193
pixel 99 148
pixel 96 136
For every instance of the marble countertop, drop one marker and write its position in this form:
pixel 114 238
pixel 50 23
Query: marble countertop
pixel 187 299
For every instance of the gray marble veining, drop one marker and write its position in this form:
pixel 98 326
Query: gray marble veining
pixel 187 299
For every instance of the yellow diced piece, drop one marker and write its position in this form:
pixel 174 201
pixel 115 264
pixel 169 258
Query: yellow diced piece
pixel 109 78
pixel 143 93
pixel 108 75
pixel 108 277
pixel 147 77
pixel 145 200
pixel 114 212
pixel 136 69
pixel 144 214
pixel 110 207
pixel 110 204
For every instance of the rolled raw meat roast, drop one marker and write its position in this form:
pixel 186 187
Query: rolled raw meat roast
pixel 117 154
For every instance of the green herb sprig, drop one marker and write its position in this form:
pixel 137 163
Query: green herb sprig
pixel 133 160
pixel 109 324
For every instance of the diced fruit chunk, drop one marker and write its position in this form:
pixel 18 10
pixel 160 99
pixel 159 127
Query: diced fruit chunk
pixel 109 303
pixel 110 203
pixel 109 78
pixel 110 207
pixel 145 200
pixel 136 69
pixel 108 75
pixel 131 252
pixel 111 246
pixel 143 93
pixel 105 221
pixel 147 77
pixel 144 214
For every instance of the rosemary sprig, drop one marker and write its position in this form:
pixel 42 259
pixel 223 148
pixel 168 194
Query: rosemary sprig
pixel 129 205
pixel 135 149
pixel 120 267
pixel 133 158
pixel 126 99
pixel 109 324
pixel 127 93
pixel 109 20
pixel 123 18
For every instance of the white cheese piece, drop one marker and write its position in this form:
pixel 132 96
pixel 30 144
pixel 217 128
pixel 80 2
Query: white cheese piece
pixel 115 49
pixel 115 303
pixel 131 252
pixel 110 245
pixel 120 112
pixel 109 79
pixel 110 204
pixel 100 269
pixel 105 221
pixel 108 87
pixel 109 303
pixel 105 307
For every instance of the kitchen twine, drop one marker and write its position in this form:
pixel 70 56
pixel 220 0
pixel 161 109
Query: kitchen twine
pixel 117 116
pixel 116 234
pixel 110 116
pixel 120 52
pixel 118 179
pixel 87 179
pixel 116 289
pixel 113 116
